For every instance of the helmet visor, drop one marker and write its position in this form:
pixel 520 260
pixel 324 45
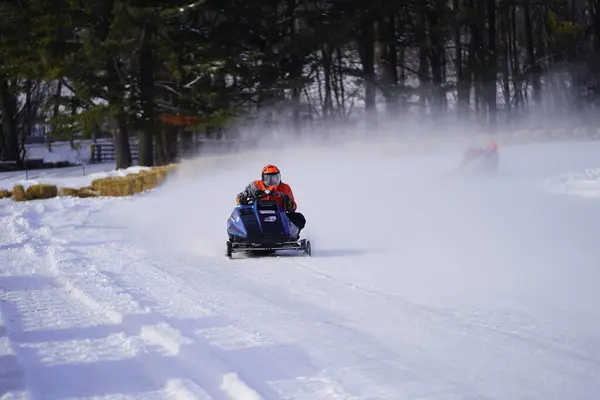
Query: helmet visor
pixel 272 179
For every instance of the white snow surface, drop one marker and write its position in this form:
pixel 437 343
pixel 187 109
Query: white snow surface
pixel 423 284
pixel 61 151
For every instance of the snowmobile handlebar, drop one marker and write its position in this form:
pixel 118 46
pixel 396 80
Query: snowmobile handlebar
pixel 259 194
pixel 264 193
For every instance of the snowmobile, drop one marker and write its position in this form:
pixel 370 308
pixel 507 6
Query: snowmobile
pixel 481 160
pixel 262 227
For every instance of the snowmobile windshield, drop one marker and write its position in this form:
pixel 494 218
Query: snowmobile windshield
pixel 272 180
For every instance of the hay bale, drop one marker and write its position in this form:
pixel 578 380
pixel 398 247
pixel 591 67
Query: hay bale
pixel 4 194
pixel 171 167
pixel 85 192
pixel 132 183
pixel 18 193
pixel 103 185
pixel 150 180
pixel 42 191
pixel 65 192
pixel 81 193
pixel 137 182
pixel 117 187
pixel 98 183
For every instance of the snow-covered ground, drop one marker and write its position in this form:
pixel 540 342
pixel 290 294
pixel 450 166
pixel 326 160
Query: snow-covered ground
pixel 62 151
pixel 71 177
pixel 422 285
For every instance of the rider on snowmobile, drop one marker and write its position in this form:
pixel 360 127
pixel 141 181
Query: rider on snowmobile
pixel 489 156
pixel 271 180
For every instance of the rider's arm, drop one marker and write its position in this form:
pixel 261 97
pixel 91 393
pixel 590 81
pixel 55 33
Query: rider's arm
pixel 247 192
pixel 288 192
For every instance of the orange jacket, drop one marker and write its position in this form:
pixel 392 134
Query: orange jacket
pixel 259 185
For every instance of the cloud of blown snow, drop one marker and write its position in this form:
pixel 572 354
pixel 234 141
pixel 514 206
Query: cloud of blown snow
pixel 371 202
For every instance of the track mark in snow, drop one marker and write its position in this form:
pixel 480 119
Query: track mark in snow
pixel 283 309
pixel 231 337
pixel 12 384
pixel 112 347
pixel 392 352
pixel 313 388
pixel 237 389
pixel 71 324
pixel 460 324
pixel 68 277
pixel 166 336
pixel 185 389
pixel 224 346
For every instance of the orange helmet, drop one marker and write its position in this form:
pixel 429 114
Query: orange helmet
pixel 270 169
pixel 271 176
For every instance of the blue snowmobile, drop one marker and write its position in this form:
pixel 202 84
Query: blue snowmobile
pixel 262 227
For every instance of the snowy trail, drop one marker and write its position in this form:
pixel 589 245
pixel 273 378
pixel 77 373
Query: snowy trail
pixel 72 329
pixel 469 290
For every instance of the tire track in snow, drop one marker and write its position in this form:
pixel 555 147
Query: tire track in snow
pixel 321 385
pixel 12 379
pixel 171 294
pixel 59 331
pixel 441 330
pixel 213 338
pixel 451 319
pixel 377 363
pixel 37 308
pixel 100 293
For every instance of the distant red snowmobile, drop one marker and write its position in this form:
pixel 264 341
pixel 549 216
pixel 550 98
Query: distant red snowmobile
pixel 481 159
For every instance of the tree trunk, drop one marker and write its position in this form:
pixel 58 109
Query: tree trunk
pixel 29 111
pixel 367 53
pixel 533 64
pixel 121 137
pixel 596 24
pixel 437 53
pixel 463 85
pixel 327 60
pixel 115 91
pixel 55 115
pixel 8 107
pixel 387 61
pixel 186 143
pixel 514 58
pixel 492 63
pixel 400 21
pixel 148 131
pixel 506 40
pixel 296 64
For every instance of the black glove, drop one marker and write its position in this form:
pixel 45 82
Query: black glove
pixel 244 201
pixel 288 203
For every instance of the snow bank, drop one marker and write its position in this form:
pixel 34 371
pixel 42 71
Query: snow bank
pixel 585 184
pixel 71 177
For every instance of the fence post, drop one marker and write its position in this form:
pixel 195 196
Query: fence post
pixel 93 153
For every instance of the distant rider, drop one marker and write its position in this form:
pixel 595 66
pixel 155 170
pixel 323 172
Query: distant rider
pixel 488 156
pixel 271 180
